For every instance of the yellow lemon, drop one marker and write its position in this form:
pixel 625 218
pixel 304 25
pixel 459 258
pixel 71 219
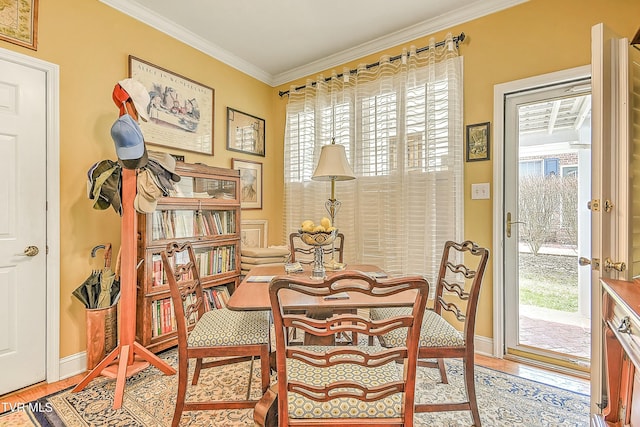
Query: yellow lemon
pixel 307 225
pixel 325 222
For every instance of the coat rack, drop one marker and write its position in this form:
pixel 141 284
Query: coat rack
pixel 129 357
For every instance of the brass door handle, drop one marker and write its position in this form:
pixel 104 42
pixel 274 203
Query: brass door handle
pixel 31 251
pixel 509 223
pixel 595 263
pixel 610 265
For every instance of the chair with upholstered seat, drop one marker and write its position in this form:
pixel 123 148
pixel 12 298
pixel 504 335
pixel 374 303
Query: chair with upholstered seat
pixel 344 385
pixel 234 336
pixel 457 292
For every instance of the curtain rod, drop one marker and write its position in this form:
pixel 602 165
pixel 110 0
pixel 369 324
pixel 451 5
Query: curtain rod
pixel 456 39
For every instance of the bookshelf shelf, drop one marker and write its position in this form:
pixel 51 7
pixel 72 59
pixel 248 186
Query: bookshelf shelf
pixel 205 210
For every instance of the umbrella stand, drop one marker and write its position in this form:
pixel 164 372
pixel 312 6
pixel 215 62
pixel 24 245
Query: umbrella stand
pixel 101 315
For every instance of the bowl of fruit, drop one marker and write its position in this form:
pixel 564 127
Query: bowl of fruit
pixel 318 235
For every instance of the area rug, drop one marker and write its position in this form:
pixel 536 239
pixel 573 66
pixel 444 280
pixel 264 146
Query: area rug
pixel 504 401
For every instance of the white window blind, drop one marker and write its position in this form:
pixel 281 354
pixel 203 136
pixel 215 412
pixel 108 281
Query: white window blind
pixel 401 126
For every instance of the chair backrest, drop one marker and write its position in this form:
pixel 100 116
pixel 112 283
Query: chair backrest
pixel 459 281
pixel 300 368
pixel 303 253
pixel 187 299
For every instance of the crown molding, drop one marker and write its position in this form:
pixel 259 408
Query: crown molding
pixel 187 37
pixel 476 10
pixel 439 23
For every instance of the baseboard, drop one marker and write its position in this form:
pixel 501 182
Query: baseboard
pixel 484 346
pixel 73 365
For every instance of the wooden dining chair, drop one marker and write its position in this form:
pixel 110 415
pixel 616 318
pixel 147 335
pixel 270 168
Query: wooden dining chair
pixel 457 292
pixel 344 385
pixel 235 336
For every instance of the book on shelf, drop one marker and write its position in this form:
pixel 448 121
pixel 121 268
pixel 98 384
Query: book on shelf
pixel 216 296
pixel 158 276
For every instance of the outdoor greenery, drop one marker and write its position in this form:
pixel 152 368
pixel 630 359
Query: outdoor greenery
pixel 548 210
pixel 549 281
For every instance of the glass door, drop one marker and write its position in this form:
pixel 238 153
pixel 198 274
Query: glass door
pixel 547 186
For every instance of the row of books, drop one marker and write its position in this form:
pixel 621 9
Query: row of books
pixel 170 224
pixel 214 260
pixel 163 318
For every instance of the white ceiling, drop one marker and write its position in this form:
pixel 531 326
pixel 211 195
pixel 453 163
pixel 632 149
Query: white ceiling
pixel 277 41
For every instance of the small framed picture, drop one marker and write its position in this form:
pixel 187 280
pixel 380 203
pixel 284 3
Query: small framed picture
pixel 250 183
pixel 245 133
pixel 254 233
pixel 478 141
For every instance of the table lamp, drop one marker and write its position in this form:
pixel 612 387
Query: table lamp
pixel 333 166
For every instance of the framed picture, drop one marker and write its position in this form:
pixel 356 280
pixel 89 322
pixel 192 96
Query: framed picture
pixel 245 133
pixel 253 233
pixel 478 142
pixel 180 111
pixel 19 22
pixel 250 183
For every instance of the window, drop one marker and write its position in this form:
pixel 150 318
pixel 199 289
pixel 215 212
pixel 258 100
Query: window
pixel 401 126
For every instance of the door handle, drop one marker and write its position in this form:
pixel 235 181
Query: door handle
pixel 30 251
pixel 610 265
pixel 595 262
pixel 509 223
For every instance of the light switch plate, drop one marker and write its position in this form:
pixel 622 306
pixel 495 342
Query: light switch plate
pixel 480 191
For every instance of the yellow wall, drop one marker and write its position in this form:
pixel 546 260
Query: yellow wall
pixel 534 38
pixel 91 43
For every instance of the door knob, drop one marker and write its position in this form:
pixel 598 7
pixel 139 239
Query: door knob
pixel 595 263
pixel 610 265
pixel 509 223
pixel 31 251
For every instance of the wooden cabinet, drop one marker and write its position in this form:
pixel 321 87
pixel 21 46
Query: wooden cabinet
pixel 621 322
pixel 205 210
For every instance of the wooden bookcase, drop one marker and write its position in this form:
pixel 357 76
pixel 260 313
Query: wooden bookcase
pixel 205 210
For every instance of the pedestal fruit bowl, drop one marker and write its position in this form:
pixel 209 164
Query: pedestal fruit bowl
pixel 318 236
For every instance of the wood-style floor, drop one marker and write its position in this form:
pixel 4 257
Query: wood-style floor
pixel 564 381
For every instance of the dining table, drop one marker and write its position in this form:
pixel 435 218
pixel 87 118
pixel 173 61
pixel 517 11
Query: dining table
pixel 253 294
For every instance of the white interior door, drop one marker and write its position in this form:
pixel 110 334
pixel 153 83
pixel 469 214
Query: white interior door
pixel 23 252
pixel 611 194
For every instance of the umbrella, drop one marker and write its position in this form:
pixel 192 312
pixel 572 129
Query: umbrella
pixel 102 288
pixel 85 292
pixel 107 277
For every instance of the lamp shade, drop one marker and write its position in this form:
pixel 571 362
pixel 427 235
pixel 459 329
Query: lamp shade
pixel 333 164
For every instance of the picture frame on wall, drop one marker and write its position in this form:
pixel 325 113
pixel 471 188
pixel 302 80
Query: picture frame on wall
pixel 180 112
pixel 253 233
pixel 245 133
pixel 250 183
pixel 19 23
pixel 478 142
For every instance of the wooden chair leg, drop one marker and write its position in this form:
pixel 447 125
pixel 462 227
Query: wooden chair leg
pixel 443 371
pixel 182 392
pixel 196 372
pixel 265 367
pixel 469 379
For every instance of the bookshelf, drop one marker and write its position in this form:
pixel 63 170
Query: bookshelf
pixel 205 210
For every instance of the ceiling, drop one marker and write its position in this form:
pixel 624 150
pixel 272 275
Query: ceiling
pixel 278 41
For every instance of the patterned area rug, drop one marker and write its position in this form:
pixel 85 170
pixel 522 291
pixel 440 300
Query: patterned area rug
pixel 504 401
